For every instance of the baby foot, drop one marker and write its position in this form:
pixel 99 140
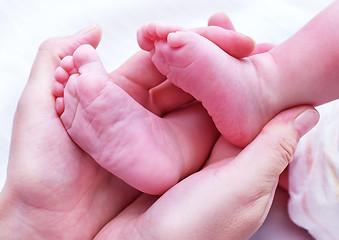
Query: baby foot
pixel 227 87
pixel 118 133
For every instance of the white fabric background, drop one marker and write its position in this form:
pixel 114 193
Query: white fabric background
pixel 25 24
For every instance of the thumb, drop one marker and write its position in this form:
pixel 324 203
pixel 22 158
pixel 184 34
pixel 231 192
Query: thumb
pixel 273 149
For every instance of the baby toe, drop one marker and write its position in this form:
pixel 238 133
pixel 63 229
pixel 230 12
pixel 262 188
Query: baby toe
pixel 59 105
pixel 61 75
pixel 67 64
pixel 58 89
pixel 84 56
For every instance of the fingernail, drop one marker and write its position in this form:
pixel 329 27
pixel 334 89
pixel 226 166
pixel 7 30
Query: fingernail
pixel 87 29
pixel 253 44
pixel 252 40
pixel 306 121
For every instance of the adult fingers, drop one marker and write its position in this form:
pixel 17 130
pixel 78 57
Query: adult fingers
pixel 271 152
pixel 261 163
pixel 221 20
pixel 137 76
pixel 233 43
pixel 237 45
pixel 168 97
pixel 262 48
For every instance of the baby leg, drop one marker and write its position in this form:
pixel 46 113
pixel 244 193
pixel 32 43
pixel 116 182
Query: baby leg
pixel 142 149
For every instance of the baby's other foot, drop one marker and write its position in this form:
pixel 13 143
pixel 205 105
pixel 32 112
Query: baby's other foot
pixel 111 127
pixel 227 87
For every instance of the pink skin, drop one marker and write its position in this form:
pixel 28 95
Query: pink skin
pixel 243 95
pixel 197 66
pixel 54 190
pixel 234 43
pixel 206 197
pixel 102 119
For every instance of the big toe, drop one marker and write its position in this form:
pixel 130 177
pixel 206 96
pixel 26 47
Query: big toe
pixel 93 76
pixel 86 59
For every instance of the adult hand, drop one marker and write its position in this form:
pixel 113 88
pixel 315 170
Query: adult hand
pixel 53 189
pixel 229 198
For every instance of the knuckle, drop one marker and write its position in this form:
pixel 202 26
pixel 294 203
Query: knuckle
pixel 285 149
